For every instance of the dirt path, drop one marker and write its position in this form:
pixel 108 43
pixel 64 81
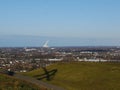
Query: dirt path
pixel 37 82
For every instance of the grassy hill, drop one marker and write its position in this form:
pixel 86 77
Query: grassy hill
pixel 81 76
pixel 10 83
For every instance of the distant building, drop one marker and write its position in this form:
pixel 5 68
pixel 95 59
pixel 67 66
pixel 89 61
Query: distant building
pixel 46 44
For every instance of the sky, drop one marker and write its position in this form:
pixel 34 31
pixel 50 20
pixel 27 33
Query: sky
pixel 96 19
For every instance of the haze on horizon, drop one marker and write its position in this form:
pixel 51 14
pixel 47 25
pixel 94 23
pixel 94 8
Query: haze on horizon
pixel 70 19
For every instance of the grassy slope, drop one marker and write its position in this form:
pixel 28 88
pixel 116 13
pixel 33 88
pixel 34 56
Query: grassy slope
pixel 84 75
pixel 10 83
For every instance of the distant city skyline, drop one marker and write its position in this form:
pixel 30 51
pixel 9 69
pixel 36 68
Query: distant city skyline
pixel 69 19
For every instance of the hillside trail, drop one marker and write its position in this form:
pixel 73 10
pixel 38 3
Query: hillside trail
pixel 37 82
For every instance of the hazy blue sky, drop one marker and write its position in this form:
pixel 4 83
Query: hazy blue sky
pixel 61 18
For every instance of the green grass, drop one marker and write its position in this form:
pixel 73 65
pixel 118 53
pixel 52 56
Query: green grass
pixel 10 83
pixel 84 75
